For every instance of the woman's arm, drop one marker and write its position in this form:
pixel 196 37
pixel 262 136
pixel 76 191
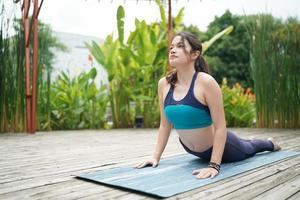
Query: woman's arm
pixel 214 100
pixel 165 126
pixel 163 131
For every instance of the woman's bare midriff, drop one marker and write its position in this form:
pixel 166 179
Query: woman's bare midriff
pixel 197 140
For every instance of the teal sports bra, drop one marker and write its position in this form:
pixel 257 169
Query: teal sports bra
pixel 188 113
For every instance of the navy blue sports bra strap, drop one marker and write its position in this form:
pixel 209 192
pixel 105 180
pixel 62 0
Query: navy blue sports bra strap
pixel 193 81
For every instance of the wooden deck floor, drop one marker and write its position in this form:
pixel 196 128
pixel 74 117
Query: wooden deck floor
pixel 42 166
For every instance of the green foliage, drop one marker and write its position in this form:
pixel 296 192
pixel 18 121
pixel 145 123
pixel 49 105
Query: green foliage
pixel 207 44
pixel 239 105
pixel 77 103
pixel 47 44
pixel 120 23
pixel 135 67
pixel 229 57
pixel 274 50
pixel 12 75
pixel 12 90
pixel 148 47
pixel 275 59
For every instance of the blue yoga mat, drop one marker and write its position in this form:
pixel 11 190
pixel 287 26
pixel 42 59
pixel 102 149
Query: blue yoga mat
pixel 174 175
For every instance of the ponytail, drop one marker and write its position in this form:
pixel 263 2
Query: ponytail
pixel 172 78
pixel 201 65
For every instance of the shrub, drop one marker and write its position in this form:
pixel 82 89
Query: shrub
pixel 239 105
pixel 77 103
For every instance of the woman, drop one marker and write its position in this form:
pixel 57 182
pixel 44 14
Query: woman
pixel 191 100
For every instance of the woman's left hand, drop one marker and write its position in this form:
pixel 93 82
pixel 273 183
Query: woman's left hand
pixel 205 173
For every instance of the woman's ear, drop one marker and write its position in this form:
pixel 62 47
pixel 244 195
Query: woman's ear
pixel 195 55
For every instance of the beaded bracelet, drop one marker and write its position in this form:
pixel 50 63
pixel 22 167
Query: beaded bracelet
pixel 215 166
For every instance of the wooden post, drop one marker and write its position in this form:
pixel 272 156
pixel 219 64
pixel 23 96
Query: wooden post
pixel 170 33
pixel 31 81
pixel 25 9
pixel 35 65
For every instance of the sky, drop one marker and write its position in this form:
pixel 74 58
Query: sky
pixel 98 17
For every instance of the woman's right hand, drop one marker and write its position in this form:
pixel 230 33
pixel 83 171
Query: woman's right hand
pixel 152 162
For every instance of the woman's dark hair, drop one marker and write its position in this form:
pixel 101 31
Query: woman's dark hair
pixel 200 64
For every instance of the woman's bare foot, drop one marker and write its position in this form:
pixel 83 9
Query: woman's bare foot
pixel 276 146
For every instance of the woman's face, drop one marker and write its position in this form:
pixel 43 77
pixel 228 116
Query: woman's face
pixel 178 52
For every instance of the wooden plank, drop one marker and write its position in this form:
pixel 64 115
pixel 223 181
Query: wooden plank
pixel 264 185
pixel 74 193
pixel 47 190
pixel 233 184
pixel 284 190
pixel 295 196
pixel 42 166
pixel 39 170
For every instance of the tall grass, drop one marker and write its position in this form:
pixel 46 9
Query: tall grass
pixel 12 93
pixel 275 58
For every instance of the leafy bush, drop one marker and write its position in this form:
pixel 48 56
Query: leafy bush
pixel 77 103
pixel 239 105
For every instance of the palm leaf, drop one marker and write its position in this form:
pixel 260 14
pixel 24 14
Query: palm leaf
pixel 207 44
